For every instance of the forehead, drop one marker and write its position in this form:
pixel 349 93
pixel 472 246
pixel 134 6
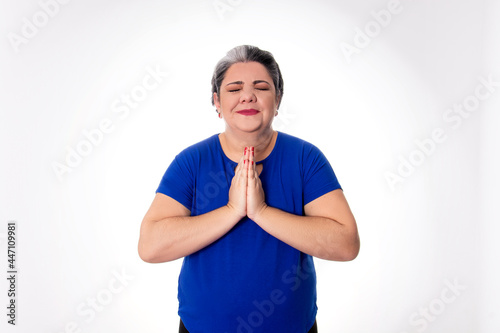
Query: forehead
pixel 247 71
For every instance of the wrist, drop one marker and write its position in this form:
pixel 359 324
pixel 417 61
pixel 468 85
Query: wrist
pixel 259 213
pixel 233 212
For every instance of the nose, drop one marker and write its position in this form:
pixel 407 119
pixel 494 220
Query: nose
pixel 247 96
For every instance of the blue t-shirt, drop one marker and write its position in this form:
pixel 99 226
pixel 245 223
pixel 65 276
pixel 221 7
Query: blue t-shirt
pixel 248 281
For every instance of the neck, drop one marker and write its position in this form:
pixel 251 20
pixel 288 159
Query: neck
pixel 234 142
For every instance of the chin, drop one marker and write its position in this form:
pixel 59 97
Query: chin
pixel 250 129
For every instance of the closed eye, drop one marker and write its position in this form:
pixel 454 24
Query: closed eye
pixel 261 85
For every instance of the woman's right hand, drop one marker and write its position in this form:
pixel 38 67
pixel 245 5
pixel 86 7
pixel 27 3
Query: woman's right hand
pixel 238 190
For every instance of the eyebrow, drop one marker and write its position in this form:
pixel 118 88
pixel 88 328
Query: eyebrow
pixel 254 82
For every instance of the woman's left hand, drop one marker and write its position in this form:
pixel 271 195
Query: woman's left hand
pixel 255 193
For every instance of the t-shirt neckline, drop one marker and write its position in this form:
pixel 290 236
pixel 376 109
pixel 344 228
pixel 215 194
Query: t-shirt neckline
pixel 278 135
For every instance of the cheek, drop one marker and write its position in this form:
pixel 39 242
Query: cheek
pixel 271 101
pixel 229 98
pixel 225 102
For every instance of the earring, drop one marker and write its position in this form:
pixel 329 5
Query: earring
pixel 220 116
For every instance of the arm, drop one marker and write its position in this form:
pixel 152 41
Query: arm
pixel 328 230
pixel 168 232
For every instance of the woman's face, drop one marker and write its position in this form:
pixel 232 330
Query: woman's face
pixel 247 97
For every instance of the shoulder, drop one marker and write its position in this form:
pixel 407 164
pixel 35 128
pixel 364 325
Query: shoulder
pixel 297 145
pixel 190 158
pixel 198 149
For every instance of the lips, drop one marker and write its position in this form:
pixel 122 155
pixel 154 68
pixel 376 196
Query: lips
pixel 248 112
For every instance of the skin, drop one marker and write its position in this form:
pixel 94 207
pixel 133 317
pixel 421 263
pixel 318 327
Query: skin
pixel 328 230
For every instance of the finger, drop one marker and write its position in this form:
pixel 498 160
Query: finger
pixel 251 169
pixel 251 166
pixel 246 155
pixel 245 166
pixel 241 163
pixel 252 159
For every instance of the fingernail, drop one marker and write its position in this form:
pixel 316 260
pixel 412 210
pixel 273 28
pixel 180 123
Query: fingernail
pixel 244 161
pixel 251 148
pixel 252 162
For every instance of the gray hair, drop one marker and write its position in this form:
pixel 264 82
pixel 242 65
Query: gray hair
pixel 247 53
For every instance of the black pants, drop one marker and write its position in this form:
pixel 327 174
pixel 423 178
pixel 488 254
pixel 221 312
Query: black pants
pixel 183 329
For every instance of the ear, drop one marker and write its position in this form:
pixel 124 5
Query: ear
pixel 216 101
pixel 278 101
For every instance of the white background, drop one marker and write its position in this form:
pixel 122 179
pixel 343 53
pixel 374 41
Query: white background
pixel 437 226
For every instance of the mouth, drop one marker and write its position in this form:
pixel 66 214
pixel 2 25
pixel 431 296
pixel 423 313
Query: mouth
pixel 248 112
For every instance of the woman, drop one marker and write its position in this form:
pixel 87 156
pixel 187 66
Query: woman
pixel 248 209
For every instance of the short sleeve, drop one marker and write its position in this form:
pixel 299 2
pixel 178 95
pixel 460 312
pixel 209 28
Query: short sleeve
pixel 319 177
pixel 177 182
